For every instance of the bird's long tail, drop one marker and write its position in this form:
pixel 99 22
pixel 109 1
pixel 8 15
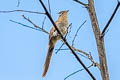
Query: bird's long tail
pixel 48 57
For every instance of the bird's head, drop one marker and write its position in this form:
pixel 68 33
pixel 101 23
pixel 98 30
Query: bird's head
pixel 63 12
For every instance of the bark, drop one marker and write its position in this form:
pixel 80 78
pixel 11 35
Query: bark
pixel 99 40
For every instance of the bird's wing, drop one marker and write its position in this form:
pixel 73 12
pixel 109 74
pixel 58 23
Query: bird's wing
pixel 53 32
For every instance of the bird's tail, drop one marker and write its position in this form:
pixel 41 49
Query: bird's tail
pixel 48 57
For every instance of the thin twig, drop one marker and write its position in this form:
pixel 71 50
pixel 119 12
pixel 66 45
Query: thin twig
pixel 59 48
pixel 21 11
pixel 69 28
pixel 36 26
pixel 111 18
pixel 75 49
pixel 77 32
pixel 84 54
pixel 25 25
pixel 18 3
pixel 65 41
pixel 88 56
pixel 78 1
pixel 76 72
pixel 69 25
pixel 49 7
pixel 63 49
pixel 43 22
pixel 93 62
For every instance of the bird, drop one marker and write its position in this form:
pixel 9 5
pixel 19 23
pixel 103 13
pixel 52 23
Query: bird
pixel 62 25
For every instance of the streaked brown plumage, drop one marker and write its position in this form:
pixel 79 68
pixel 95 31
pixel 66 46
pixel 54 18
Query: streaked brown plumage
pixel 62 24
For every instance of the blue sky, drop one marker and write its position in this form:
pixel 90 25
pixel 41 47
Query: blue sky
pixel 23 50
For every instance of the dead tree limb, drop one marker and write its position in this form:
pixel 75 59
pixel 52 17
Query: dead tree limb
pixel 99 41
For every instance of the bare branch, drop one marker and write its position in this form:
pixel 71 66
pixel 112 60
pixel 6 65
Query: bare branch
pixel 79 60
pixel 111 18
pixel 69 29
pixel 62 49
pixel 25 25
pixel 36 26
pixel 43 22
pixel 70 26
pixel 78 1
pixel 75 49
pixel 49 7
pixel 18 3
pixel 88 56
pixel 59 48
pixel 77 32
pixel 77 72
pixel 21 11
